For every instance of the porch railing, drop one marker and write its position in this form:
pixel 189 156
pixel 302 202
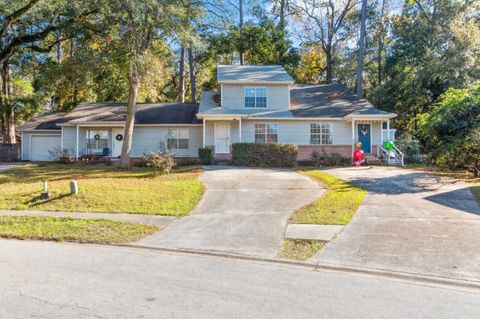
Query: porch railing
pixel 390 157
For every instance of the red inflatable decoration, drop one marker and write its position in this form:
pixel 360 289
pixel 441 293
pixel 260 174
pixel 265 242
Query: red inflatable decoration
pixel 358 155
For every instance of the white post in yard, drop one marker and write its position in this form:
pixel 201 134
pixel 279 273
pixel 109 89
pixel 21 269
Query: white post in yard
pixel 76 149
pixel 240 130
pixel 204 131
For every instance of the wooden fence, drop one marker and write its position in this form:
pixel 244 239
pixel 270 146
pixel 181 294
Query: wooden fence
pixel 10 152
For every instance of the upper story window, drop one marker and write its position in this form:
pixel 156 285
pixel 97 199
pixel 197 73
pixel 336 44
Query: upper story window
pixel 177 138
pixel 321 133
pixel 255 97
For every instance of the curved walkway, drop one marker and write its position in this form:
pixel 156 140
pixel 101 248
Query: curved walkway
pixel 243 211
pixel 410 221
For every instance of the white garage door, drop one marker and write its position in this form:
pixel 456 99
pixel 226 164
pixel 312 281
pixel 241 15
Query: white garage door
pixel 41 145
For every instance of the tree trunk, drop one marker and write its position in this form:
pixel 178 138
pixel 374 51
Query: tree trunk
pixel 282 13
pixel 380 45
pixel 8 118
pixel 193 80
pixel 240 8
pixel 133 85
pixel 181 93
pixel 361 49
pixel 329 66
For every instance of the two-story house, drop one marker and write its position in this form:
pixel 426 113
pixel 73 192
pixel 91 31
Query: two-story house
pixel 254 104
pixel 261 104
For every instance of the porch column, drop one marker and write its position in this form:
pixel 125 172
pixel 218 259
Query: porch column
pixel 240 129
pixel 76 149
pixel 381 132
pixel 388 129
pixel 353 137
pixel 204 131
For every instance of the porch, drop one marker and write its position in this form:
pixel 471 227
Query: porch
pixel 220 133
pixel 93 142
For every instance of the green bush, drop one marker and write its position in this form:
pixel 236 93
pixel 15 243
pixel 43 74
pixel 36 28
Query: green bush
pixel 411 148
pixel 160 162
pixel 324 159
pixel 206 156
pixel 264 155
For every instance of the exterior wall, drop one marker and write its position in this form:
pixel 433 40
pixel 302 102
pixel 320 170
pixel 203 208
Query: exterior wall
pixel 153 139
pixel 26 142
pixel 278 96
pixel 69 139
pixel 298 132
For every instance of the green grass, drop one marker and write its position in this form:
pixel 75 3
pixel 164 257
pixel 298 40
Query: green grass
pixel 337 205
pixel 299 249
pixel 72 230
pixel 102 188
pixel 475 188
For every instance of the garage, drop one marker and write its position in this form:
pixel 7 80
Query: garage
pixel 42 144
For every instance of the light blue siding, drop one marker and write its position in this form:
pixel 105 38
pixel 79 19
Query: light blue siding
pixel 278 96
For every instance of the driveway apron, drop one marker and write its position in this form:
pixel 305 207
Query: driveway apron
pixel 243 211
pixel 410 221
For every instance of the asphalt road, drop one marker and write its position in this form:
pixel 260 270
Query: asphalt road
pixel 52 280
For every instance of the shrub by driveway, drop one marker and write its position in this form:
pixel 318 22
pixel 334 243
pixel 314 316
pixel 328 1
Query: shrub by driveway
pixel 102 188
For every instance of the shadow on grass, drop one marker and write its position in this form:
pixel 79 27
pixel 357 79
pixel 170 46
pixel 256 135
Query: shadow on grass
pixel 58 172
pixel 39 201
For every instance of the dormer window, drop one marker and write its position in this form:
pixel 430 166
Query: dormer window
pixel 256 97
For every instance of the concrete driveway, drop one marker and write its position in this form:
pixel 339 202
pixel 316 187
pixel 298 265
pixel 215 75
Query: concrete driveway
pixel 410 221
pixel 243 211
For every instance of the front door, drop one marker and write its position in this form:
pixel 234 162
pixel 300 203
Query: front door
pixel 365 137
pixel 117 141
pixel 222 137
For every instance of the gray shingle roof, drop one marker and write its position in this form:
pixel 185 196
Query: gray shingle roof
pixel 252 73
pixel 147 113
pixel 329 100
pixel 326 101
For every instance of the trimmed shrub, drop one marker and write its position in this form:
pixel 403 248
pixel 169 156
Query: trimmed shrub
pixel 264 155
pixel 206 156
pixel 160 162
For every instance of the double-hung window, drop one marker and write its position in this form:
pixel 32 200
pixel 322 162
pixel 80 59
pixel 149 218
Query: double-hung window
pixel 266 133
pixel 255 97
pixel 97 139
pixel 177 138
pixel 320 133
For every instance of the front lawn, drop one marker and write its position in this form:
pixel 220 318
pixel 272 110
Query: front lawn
pixel 337 205
pixel 102 188
pixel 72 230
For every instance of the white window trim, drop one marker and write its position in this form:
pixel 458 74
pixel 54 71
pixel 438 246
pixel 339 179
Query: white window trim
pixel 266 131
pixel 320 123
pixel 87 133
pixel 255 96
pixel 177 137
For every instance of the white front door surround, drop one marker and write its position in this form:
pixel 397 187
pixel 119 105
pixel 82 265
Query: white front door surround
pixel 116 144
pixel 222 137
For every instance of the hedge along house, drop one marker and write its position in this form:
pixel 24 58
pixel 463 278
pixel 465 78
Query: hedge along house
pixel 261 104
pixel 255 104
pixel 98 128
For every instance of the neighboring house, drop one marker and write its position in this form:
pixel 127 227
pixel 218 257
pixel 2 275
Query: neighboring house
pixel 254 104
